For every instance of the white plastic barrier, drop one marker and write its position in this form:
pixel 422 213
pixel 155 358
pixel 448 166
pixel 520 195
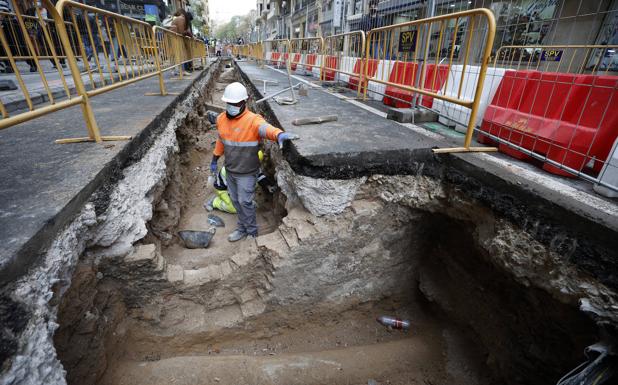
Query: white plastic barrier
pixel 376 90
pixel 451 113
pixel 347 65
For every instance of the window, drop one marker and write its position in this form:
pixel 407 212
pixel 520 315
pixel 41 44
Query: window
pixel 358 7
pixel 607 59
pixel 524 22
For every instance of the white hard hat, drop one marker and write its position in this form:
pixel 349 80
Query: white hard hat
pixel 235 93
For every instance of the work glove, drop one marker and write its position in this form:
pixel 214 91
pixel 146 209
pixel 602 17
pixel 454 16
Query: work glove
pixel 212 117
pixel 282 137
pixel 213 167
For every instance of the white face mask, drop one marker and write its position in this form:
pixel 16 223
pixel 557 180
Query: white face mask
pixel 233 110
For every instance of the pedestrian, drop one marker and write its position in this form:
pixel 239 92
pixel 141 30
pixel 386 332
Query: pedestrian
pixel 181 25
pixel 240 132
pixel 87 34
pixel 110 42
pixel 179 22
pixel 189 33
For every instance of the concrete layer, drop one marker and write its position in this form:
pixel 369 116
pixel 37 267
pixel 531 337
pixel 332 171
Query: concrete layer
pixel 44 185
pixel 577 224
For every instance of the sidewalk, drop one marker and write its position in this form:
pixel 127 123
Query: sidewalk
pixel 44 183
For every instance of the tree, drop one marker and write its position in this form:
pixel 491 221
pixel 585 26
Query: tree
pixel 238 26
pixel 200 22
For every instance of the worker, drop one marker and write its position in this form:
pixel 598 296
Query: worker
pixel 222 201
pixel 240 132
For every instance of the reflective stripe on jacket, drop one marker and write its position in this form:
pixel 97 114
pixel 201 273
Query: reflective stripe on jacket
pixel 239 139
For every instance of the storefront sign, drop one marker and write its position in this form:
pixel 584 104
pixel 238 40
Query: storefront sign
pixel 132 10
pixel 152 12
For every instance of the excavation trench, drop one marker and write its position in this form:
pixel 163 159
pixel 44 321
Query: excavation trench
pixel 299 305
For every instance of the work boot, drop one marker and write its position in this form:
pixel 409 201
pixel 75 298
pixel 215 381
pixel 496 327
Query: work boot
pixel 208 205
pixel 237 235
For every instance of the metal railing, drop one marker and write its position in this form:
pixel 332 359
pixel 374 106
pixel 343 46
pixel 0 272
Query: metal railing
pixel 123 51
pixel 414 53
pixel 344 54
pixel 129 54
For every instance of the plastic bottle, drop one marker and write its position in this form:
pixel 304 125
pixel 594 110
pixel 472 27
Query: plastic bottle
pixel 394 323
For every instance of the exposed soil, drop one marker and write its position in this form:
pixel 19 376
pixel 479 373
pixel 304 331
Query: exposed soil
pixel 349 348
pixel 298 305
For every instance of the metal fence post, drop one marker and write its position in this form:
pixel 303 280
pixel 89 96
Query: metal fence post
pixel 155 46
pixel 91 123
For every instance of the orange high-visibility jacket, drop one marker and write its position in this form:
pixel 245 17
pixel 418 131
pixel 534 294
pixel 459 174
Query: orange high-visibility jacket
pixel 239 140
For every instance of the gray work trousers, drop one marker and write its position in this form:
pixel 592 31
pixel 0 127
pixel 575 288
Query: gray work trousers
pixel 241 188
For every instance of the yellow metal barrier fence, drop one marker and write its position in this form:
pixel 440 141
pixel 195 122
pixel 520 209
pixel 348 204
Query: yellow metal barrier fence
pixel 414 53
pixel 343 54
pixel 124 50
pixel 172 48
pixel 257 52
pixel 35 39
pixel 279 50
pixel 307 53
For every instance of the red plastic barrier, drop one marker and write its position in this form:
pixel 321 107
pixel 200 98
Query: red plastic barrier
pixel 405 74
pixel 330 62
pixel 311 59
pixel 571 119
pixel 372 68
pixel 274 58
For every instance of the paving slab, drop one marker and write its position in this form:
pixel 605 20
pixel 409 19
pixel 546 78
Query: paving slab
pixel 43 184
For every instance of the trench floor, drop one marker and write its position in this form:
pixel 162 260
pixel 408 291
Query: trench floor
pixel 195 217
pixel 347 348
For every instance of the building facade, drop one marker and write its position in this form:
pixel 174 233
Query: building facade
pixel 519 22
